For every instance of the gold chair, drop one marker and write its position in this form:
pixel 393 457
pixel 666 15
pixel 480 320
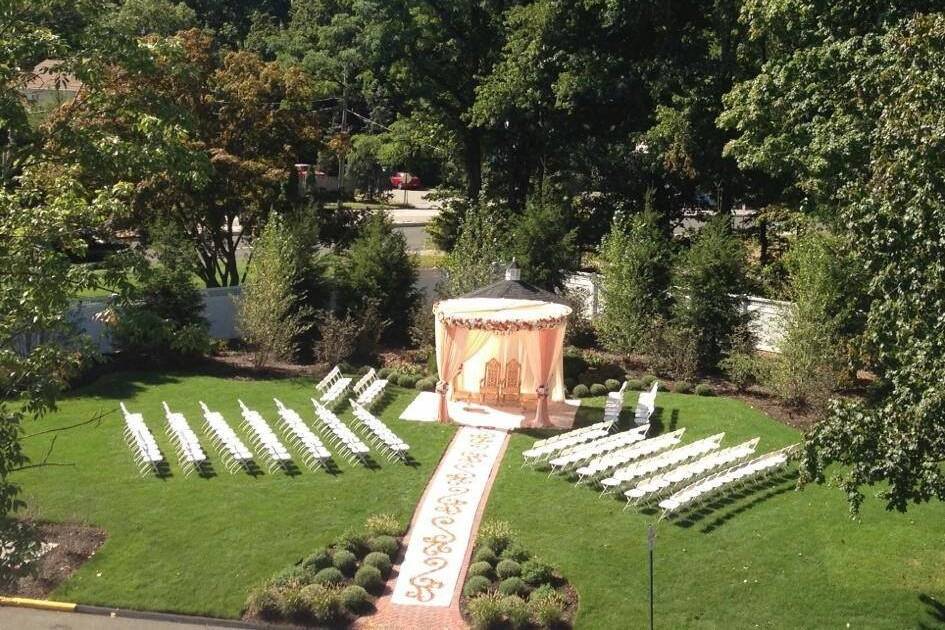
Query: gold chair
pixel 492 381
pixel 512 384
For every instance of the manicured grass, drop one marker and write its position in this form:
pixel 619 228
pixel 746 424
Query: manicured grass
pixel 197 545
pixel 770 558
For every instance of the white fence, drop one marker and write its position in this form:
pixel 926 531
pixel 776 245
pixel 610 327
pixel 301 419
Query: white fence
pixel 768 317
pixel 219 308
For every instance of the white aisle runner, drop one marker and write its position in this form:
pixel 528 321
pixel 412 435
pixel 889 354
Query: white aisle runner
pixel 443 527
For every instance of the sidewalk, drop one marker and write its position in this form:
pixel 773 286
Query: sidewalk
pixel 32 619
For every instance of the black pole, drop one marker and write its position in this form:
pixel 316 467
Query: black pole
pixel 650 540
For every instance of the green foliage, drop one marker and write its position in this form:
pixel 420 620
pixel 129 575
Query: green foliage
pixel 496 535
pixel 160 17
pixel 324 604
pixel 355 599
pixel 344 560
pixel 508 568
pixel 317 561
pixel 543 241
pixel 486 611
pixel 703 389
pixel 711 277
pixel 294 605
pixel 636 259
pixel 598 389
pixel 264 602
pixel 515 551
pixel 547 608
pixel 744 369
pixel 352 540
pixel 612 384
pixel 481 248
pixel 682 387
pixel 516 611
pixel 384 544
pixel 485 554
pixel 296 574
pixel 380 561
pixel 635 384
pixel 408 381
pixel 378 271
pixel 384 524
pixel 329 576
pixel 648 380
pixel 369 578
pixel 535 572
pixel 268 313
pixel 475 585
pixel 513 585
pixel 480 567
pixel 580 391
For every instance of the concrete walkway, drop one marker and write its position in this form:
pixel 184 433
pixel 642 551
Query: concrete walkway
pixel 31 619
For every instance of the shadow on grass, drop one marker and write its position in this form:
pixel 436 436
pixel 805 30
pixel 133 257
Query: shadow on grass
pixel 757 492
pixel 935 610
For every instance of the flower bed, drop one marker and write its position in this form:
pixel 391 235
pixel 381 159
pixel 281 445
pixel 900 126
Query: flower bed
pixel 506 587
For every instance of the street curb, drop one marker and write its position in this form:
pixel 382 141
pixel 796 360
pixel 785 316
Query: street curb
pixel 413 224
pixel 41 604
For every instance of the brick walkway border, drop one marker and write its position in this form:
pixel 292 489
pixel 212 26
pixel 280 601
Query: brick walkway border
pixel 390 616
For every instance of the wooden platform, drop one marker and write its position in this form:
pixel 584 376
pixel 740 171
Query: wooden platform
pixel 507 417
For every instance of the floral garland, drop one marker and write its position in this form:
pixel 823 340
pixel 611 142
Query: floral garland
pixel 500 327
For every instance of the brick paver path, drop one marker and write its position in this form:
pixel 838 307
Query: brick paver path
pixel 427 581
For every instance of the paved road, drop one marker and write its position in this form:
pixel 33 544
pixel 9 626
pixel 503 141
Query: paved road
pixel 29 619
pixel 417 238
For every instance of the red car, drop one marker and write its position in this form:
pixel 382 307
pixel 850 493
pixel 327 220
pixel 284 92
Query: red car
pixel 403 180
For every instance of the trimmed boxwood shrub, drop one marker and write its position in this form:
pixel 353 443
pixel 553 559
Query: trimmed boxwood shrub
pixel 480 568
pixel 704 390
pixel 408 381
pixel 682 387
pixel 427 384
pixel 612 384
pixel 345 561
pixel 353 541
pixel 547 609
pixel 296 573
pixel 380 561
pixel 384 372
pixel 355 599
pixel 508 568
pixel 476 585
pixel 317 561
pixel 635 384
pixel 516 611
pixel 598 389
pixel 294 604
pixel 545 590
pixel 329 575
pixel 648 379
pixel 485 554
pixel 516 551
pixel 536 572
pixel 580 391
pixel 324 603
pixel 513 586
pixel 264 602
pixel 384 544
pixel 369 578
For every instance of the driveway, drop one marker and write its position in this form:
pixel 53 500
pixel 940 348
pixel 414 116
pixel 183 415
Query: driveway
pixel 30 619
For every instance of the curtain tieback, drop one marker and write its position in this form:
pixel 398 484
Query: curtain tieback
pixel 441 387
pixel 542 391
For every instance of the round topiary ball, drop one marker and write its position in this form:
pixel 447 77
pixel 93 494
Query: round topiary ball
pixel 612 384
pixel 485 554
pixel 648 379
pixel 508 568
pixel 635 384
pixel 355 599
pixel 323 603
pixel 384 372
pixel 384 544
pixel 580 391
pixel 317 561
pixel 536 572
pixel 480 568
pixel 682 387
pixel 513 586
pixel 329 576
pixel 265 603
pixel 516 551
pixel 380 561
pixel 598 389
pixel 344 561
pixel 704 390
pixel 369 578
pixel 476 585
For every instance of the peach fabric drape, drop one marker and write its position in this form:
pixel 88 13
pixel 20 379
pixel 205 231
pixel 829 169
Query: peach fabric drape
pixel 548 346
pixel 454 345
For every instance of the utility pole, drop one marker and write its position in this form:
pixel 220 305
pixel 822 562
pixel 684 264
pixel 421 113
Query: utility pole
pixel 344 132
pixel 650 543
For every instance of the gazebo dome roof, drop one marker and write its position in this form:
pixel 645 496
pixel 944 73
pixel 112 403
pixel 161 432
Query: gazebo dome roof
pixel 514 288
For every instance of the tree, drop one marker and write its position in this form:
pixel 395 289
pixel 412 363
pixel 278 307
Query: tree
pixel 482 246
pixel 232 126
pixel 377 273
pixel 268 313
pixel 543 240
pixel 636 262
pixel 160 17
pixel 710 277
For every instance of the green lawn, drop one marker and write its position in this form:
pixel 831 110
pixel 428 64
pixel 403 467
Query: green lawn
pixel 198 545
pixel 772 558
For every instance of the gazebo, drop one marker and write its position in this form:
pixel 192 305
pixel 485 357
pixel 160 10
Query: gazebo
pixel 504 341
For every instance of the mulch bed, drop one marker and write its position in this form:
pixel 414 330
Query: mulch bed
pixel 75 545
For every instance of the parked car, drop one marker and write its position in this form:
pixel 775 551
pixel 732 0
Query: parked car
pixel 404 180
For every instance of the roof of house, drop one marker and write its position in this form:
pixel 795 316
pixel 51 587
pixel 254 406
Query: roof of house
pixel 48 75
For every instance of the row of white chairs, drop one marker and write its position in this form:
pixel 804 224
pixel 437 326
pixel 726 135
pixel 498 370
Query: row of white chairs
pixel 601 465
pixel 663 461
pixel 185 441
pixel 369 389
pixel 233 451
pixel 646 405
pixel 652 487
pixel 332 386
pixel 339 435
pixel 313 451
pixel 578 455
pixel 696 493
pixel 554 439
pixel 546 451
pixel 614 404
pixel 380 435
pixel 148 456
pixel 264 439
